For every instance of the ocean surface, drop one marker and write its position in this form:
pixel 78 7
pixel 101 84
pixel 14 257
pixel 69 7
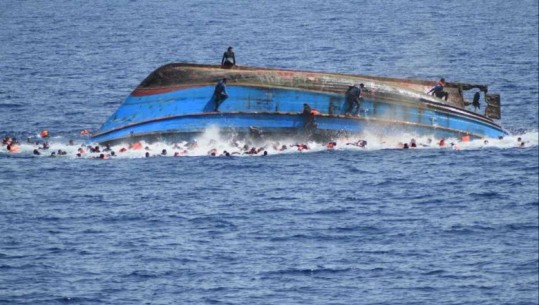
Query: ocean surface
pixel 373 225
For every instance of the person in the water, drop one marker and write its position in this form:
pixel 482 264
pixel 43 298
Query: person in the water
pixel 7 140
pixel 220 94
pixel 13 147
pixel 438 90
pixel 360 143
pixel 331 145
pixel 441 143
pixel 229 59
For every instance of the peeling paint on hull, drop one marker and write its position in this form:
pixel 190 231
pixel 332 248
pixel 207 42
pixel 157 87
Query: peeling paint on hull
pixel 181 102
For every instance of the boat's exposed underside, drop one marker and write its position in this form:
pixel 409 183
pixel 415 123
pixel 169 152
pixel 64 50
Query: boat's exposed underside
pixel 177 100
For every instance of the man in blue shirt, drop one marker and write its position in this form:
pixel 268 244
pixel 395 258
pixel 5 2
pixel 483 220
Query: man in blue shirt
pixel 438 90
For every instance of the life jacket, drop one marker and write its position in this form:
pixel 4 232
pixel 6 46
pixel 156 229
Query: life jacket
pixel 466 138
pixel 136 146
pixel 85 132
pixel 44 133
pixel 315 112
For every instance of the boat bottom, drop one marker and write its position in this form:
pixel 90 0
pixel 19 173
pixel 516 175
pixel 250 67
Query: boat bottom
pixel 323 128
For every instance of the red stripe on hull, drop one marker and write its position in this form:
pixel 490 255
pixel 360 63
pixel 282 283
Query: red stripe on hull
pixel 152 91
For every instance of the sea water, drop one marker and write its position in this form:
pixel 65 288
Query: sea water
pixel 350 225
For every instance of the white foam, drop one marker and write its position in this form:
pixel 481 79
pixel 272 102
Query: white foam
pixel 213 140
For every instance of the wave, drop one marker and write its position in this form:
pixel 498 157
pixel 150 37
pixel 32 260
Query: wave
pixel 212 144
pixel 316 271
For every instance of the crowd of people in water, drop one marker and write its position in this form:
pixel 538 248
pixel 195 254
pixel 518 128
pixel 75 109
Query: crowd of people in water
pixel 41 147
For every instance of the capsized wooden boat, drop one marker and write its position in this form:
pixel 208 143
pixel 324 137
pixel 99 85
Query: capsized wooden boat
pixel 177 100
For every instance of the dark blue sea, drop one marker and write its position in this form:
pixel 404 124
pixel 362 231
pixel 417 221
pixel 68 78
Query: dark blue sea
pixel 378 225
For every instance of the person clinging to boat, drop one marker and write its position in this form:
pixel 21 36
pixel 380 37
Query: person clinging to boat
pixel 229 59
pixel 438 90
pixel 475 103
pixel 220 93
pixel 309 114
pixel 353 96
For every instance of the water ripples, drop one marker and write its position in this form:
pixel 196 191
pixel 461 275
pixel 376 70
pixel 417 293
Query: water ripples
pixel 373 226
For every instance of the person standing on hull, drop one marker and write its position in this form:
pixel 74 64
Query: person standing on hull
pixel 353 95
pixel 350 99
pixel 229 59
pixel 309 114
pixel 438 90
pixel 220 94
pixel 475 102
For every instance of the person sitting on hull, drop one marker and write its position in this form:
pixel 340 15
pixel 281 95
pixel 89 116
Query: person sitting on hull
pixel 353 96
pixel 220 94
pixel 229 59
pixel 438 90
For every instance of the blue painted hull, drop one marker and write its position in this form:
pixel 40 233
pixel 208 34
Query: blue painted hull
pixel 275 110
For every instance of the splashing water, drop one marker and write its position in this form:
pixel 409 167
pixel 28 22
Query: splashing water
pixel 213 143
